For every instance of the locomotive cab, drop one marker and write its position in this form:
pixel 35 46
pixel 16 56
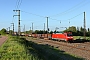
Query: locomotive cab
pixel 69 36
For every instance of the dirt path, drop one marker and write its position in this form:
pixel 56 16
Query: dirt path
pixel 2 39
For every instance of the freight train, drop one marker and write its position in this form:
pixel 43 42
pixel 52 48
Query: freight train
pixel 66 36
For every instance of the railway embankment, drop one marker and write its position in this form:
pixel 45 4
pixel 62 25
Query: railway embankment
pixel 18 48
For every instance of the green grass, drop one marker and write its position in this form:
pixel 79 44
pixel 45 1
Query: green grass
pixel 14 49
pixel 17 48
pixel 78 37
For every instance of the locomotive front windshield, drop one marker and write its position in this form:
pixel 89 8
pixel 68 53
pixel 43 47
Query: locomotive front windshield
pixel 69 34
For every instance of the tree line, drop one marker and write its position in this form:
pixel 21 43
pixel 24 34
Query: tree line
pixel 76 31
pixel 4 31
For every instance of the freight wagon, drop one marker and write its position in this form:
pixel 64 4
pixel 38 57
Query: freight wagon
pixel 41 35
pixel 67 36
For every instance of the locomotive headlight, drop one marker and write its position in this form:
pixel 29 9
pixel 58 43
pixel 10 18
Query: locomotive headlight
pixel 68 37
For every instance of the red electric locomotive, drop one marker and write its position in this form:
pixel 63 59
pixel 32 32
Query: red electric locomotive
pixel 67 36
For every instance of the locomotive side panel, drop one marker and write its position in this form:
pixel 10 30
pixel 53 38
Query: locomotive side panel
pixel 63 36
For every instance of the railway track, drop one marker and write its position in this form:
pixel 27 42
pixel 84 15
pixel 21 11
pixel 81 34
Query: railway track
pixel 73 46
pixel 80 46
pixel 77 49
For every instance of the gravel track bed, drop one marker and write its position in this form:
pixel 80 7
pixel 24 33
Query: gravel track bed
pixel 77 49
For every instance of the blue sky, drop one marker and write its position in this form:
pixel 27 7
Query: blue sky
pixel 36 11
